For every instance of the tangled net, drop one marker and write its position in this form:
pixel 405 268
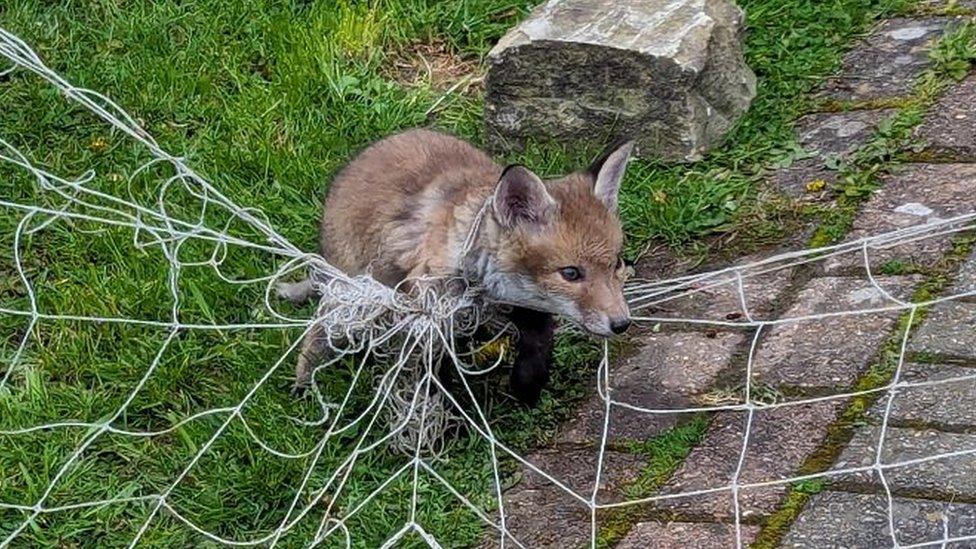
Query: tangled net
pixel 172 210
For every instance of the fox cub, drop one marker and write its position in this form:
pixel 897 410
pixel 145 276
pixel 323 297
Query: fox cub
pixel 404 207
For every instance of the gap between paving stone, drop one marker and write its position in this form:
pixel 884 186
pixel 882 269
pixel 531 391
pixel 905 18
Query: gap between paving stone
pixel 932 406
pixel 945 478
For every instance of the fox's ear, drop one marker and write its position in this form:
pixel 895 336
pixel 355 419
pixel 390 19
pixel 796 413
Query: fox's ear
pixel 521 197
pixel 608 172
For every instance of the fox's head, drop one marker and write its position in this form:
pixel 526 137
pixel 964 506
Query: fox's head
pixel 558 243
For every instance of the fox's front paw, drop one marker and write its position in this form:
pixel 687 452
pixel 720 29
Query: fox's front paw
pixel 299 390
pixel 529 378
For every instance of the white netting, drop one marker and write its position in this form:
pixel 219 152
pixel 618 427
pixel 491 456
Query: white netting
pixel 408 334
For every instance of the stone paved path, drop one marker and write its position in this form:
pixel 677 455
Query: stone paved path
pixel 675 366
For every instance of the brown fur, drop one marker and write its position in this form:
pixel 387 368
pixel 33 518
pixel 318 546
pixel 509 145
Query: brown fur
pixel 404 207
pixel 398 206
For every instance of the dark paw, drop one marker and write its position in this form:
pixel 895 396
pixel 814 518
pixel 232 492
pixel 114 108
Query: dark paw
pixel 528 380
pixel 299 390
pixel 527 394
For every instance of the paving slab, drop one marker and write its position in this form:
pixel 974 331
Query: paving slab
pixel 826 135
pixel 780 440
pixel 540 514
pixel 860 521
pixel 686 535
pixel 917 195
pixel 829 352
pixel 717 298
pixel 966 278
pixel 887 63
pixel 934 474
pixel 943 4
pixel 947 403
pixel 949 330
pixel 948 131
pixel 661 374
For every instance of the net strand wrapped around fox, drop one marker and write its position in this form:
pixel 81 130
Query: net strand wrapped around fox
pixel 408 331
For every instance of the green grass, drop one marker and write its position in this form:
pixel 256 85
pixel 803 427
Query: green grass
pixel 267 99
pixel 662 454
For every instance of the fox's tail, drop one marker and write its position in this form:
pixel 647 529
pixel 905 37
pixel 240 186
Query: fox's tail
pixel 298 293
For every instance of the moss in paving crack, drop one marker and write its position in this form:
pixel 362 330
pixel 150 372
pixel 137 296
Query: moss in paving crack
pixel 952 57
pixel 872 384
pixel 663 454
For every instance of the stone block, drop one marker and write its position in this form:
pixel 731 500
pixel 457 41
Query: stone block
pixel 665 370
pixel 946 402
pixel 949 129
pixel 669 73
pixel 541 514
pixel 919 462
pixel 917 195
pixel 949 331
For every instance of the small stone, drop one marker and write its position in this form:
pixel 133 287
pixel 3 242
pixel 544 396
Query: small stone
pixel 667 72
pixel 914 208
pixel 918 195
pixel 949 331
pixel 780 440
pixel 686 535
pixel 913 462
pixel 887 63
pixel 947 405
pixel 949 129
pixel 841 519
pixel 830 352
pixel 827 135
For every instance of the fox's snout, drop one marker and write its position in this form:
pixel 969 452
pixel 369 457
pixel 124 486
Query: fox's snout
pixel 620 325
pixel 612 321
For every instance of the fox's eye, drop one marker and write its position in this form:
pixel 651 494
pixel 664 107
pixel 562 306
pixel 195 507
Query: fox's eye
pixel 572 274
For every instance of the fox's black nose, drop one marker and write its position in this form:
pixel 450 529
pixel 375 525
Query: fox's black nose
pixel 619 326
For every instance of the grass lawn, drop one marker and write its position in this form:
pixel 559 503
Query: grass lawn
pixel 267 99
